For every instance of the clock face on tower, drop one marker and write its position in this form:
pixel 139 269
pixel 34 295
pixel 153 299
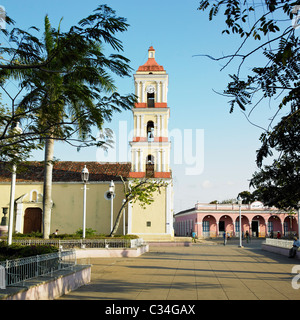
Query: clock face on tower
pixel 150 89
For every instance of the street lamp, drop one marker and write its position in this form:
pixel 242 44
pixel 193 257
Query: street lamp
pixel 112 193
pixel 85 179
pixel 239 200
pixel 16 130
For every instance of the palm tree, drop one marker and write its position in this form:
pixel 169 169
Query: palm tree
pixel 75 92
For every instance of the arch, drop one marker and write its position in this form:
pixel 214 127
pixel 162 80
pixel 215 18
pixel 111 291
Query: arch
pixel 290 226
pixel 150 166
pixel 150 99
pixel 226 225
pixel 274 226
pixel 33 196
pixel 150 131
pixel 258 226
pixel 32 220
pixel 245 225
pixel 150 159
pixel 209 226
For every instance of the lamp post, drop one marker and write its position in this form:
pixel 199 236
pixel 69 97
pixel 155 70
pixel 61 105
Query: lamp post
pixel 112 193
pixel 85 179
pixel 298 219
pixel 16 130
pixel 239 200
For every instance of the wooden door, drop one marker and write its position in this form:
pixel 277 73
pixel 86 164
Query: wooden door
pixel 32 220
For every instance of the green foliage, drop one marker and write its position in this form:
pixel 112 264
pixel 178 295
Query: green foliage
pixel 275 81
pixel 141 191
pixel 28 235
pixel 66 84
pixel 89 232
pixel 279 44
pixel 279 182
pixel 15 251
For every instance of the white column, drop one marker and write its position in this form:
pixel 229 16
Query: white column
pixel 158 160
pixel 142 133
pixel 139 91
pixel 167 128
pixel 163 129
pixel 158 91
pixel 141 160
pixel 136 160
pixel 163 160
pixel 138 125
pixel 19 216
pixel 163 88
pixel 143 92
pixel 157 125
pixel 132 159
pixel 136 83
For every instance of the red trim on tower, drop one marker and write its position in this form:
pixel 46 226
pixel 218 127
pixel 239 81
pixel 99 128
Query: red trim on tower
pixel 137 139
pixel 161 174
pixel 137 174
pixel 160 105
pixel 140 105
pixel 156 105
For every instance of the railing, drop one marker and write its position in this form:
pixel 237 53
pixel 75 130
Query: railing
pixel 279 243
pixel 19 270
pixel 84 243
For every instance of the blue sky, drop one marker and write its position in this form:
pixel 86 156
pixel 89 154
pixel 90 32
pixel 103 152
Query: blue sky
pixel 178 31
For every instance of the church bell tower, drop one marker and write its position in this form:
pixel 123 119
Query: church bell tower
pixel 151 146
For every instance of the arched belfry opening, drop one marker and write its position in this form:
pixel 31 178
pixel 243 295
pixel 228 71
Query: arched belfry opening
pixel 150 99
pixel 150 166
pixel 150 131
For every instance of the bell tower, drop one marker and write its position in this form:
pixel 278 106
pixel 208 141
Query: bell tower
pixel 150 146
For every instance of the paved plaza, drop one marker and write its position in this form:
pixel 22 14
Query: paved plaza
pixel 197 272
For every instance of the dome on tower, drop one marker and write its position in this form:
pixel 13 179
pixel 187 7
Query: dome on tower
pixel 151 64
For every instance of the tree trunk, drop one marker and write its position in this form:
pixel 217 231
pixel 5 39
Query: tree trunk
pixel 117 223
pixel 47 194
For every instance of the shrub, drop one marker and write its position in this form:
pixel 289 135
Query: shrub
pixel 89 232
pixel 15 251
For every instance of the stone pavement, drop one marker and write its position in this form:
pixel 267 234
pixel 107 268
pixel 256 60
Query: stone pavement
pixel 198 272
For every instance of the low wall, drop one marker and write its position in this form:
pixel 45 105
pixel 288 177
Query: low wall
pixel 169 244
pixel 49 288
pixel 111 253
pixel 279 250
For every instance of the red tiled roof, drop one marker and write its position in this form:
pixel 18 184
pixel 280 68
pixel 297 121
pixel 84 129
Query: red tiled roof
pixel 151 64
pixel 67 171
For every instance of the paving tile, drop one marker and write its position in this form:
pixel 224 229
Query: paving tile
pixel 198 272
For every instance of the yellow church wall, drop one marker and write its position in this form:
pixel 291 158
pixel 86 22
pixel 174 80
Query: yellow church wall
pixel 67 211
pixel 97 209
pixel 154 213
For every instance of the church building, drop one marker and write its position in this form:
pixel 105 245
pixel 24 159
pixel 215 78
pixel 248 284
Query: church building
pixel 150 149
